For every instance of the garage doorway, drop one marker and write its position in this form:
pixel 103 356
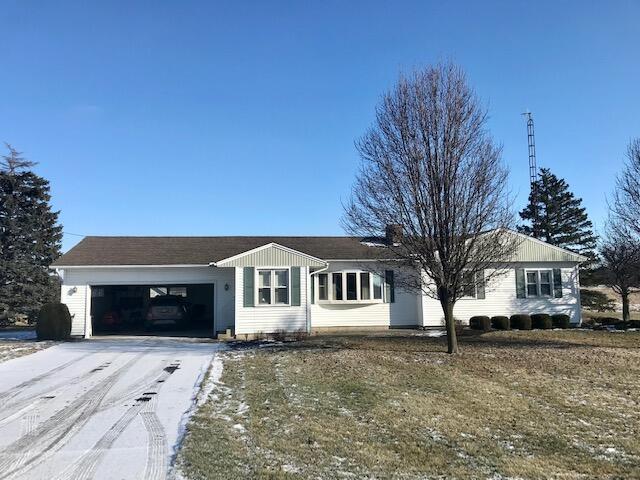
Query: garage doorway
pixel 163 310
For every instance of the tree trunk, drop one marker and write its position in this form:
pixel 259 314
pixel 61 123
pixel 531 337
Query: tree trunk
pixel 447 307
pixel 626 316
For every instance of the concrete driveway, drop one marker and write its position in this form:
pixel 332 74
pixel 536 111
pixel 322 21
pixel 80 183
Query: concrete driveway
pixel 98 409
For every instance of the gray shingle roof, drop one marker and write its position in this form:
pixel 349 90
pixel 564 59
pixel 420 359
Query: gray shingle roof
pixel 105 251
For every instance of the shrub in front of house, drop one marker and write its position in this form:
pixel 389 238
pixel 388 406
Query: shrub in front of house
pixel 561 320
pixel 541 320
pixel 54 322
pixel 608 320
pixel 480 322
pixel 520 321
pixel 500 322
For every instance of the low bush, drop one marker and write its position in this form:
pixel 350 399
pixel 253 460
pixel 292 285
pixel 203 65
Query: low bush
pixel 54 322
pixel 541 320
pixel 561 320
pixel 480 322
pixel 500 322
pixel 608 320
pixel 521 322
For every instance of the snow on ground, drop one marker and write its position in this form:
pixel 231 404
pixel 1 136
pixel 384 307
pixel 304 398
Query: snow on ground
pixel 99 409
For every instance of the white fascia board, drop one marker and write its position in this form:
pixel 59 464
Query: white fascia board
pixel 187 265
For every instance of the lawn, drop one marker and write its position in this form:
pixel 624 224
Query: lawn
pixel 540 404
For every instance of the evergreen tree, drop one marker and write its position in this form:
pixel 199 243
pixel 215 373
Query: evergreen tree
pixel 30 239
pixel 556 216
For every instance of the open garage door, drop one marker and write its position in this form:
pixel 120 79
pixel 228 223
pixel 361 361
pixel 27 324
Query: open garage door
pixel 167 310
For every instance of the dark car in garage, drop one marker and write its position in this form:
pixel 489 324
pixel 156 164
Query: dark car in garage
pixel 167 311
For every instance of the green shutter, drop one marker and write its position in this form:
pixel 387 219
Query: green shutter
pixel 521 291
pixel 248 278
pixel 480 285
pixel 389 287
pixel 295 286
pixel 557 283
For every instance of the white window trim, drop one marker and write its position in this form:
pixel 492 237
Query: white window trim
pixel 538 282
pixel 331 301
pixel 272 286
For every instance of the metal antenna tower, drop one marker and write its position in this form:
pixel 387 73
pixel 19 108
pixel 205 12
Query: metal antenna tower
pixel 533 170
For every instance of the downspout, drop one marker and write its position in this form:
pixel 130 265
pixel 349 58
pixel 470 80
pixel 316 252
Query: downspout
pixel 308 300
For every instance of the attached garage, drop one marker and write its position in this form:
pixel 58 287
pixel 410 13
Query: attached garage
pixel 179 310
pixel 116 300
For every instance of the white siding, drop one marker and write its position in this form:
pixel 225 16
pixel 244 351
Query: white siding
pixel 81 279
pixel 75 297
pixel 270 319
pixel 501 298
pixel 403 312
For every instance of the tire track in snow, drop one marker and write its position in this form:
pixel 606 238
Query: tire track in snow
pixel 12 407
pixel 14 391
pixel 85 467
pixel 33 448
pixel 157 451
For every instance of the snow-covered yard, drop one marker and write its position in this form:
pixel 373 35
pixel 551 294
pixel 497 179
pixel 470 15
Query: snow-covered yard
pixel 536 404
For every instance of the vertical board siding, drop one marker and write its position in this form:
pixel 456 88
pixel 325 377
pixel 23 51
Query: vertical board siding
pixel 501 299
pixel 530 250
pixel 273 256
pixel 270 318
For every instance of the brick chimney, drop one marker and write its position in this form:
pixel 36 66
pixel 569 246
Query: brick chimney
pixel 393 234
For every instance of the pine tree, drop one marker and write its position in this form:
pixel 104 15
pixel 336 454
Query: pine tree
pixel 561 219
pixel 30 239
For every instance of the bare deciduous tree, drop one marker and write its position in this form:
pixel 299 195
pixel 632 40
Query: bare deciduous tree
pixel 620 270
pixel 626 200
pixel 430 167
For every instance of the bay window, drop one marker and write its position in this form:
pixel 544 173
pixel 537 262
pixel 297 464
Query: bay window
pixel 354 286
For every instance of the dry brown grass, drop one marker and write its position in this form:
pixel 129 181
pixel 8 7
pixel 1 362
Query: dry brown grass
pixel 541 404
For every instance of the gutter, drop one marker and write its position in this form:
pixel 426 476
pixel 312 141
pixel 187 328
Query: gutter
pixel 309 301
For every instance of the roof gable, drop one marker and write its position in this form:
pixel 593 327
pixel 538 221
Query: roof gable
pixel 533 250
pixel 271 255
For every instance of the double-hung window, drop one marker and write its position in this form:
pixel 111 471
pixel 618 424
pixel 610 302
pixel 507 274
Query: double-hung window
pixel 539 283
pixel 468 285
pixel 273 287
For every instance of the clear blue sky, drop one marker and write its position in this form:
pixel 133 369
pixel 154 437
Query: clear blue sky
pixel 215 118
